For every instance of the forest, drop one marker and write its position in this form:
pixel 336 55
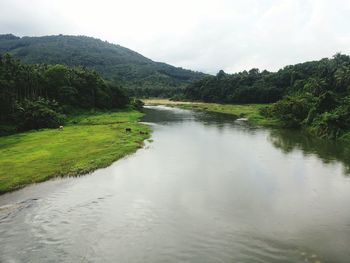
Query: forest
pixel 313 95
pixel 115 63
pixel 38 96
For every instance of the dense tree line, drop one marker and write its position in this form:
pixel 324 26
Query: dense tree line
pixel 36 96
pixel 254 86
pixel 155 92
pixel 250 86
pixel 315 94
pixel 115 63
pixel 320 103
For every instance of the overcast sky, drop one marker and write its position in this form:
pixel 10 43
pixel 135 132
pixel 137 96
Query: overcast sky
pixel 203 35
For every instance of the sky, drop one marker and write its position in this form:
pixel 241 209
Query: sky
pixel 202 35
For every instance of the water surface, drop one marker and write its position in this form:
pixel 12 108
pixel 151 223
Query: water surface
pixel 207 189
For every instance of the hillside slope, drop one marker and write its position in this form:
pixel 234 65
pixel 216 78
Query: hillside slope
pixel 114 62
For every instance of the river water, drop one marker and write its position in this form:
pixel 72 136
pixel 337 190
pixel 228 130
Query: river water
pixel 207 189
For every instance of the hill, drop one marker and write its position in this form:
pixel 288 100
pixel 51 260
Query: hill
pixel 114 62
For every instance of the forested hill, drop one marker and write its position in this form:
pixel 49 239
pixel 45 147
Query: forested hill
pixel 114 62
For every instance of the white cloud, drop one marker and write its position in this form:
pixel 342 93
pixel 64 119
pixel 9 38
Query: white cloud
pixel 205 35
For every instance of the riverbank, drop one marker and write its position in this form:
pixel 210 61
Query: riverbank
pixel 249 111
pixel 88 141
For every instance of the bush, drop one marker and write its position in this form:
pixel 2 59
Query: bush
pixel 137 104
pixel 7 130
pixel 40 113
pixel 178 97
pixel 333 124
pixel 292 111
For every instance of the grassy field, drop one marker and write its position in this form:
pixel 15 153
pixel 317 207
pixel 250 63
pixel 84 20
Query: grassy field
pixel 249 111
pixel 89 141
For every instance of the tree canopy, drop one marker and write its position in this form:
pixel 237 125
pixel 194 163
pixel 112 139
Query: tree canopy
pixel 115 63
pixel 35 96
pixel 313 94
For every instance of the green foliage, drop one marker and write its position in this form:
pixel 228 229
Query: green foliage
pixel 333 123
pixel 292 110
pixel 312 95
pixel 155 92
pixel 243 87
pixel 137 104
pixel 37 114
pixel 29 93
pixel 253 86
pixel 178 97
pixel 327 115
pixel 116 63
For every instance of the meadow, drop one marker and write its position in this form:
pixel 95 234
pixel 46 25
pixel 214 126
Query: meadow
pixel 89 141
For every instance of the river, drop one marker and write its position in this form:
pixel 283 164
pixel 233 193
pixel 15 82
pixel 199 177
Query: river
pixel 208 188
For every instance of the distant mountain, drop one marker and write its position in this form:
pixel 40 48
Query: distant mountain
pixel 114 62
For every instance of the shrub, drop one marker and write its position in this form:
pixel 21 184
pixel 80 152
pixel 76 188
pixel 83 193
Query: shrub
pixel 137 104
pixel 40 113
pixel 334 123
pixel 292 110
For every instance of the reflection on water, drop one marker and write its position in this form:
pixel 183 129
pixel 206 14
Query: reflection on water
pixel 208 189
pixel 327 150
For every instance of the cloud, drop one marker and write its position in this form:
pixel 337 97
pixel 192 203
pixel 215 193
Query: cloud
pixel 204 35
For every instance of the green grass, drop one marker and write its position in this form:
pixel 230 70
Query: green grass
pixel 93 118
pixel 88 142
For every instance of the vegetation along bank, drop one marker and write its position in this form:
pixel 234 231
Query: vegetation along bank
pixel 313 96
pixel 57 120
